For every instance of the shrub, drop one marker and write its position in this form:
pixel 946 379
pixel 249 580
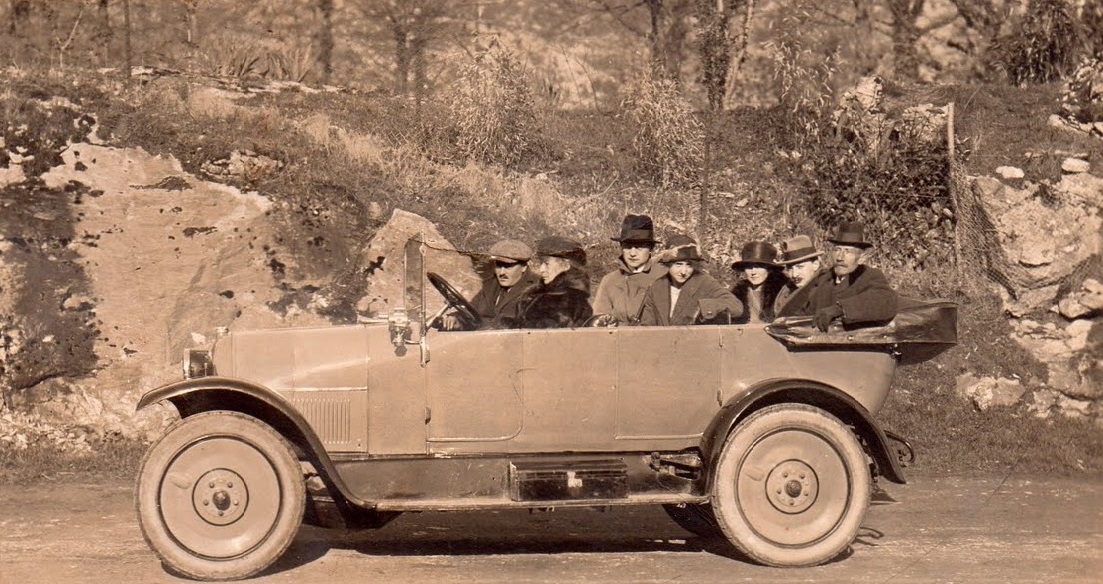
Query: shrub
pixel 669 140
pixel 492 108
pixel 1044 46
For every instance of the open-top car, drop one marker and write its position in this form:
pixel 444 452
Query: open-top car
pixel 765 435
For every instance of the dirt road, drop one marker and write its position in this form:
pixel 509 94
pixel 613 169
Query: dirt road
pixel 944 530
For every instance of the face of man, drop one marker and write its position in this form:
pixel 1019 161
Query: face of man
pixel 508 273
pixel 756 275
pixel 680 272
pixel 846 259
pixel 635 254
pixel 549 267
pixel 801 273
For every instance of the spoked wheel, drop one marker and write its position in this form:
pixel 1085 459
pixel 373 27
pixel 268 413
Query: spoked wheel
pixel 792 486
pixel 696 519
pixel 220 496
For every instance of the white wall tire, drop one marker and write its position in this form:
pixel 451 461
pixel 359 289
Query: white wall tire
pixel 220 496
pixel 791 486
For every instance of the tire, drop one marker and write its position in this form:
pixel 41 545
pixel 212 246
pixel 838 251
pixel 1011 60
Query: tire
pixel 696 519
pixel 791 486
pixel 220 496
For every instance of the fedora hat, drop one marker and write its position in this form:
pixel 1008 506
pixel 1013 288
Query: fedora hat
pixel 682 249
pixel 797 249
pixel 636 228
pixel 757 253
pixel 561 247
pixel 510 251
pixel 851 233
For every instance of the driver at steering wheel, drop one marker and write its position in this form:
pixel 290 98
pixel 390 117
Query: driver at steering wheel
pixel 498 301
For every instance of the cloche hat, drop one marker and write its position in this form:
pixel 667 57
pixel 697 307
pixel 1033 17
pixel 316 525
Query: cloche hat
pixel 757 253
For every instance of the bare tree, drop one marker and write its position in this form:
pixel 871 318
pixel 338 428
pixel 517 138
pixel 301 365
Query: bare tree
pixel 722 44
pixel 325 54
pixel 663 24
pixel 413 26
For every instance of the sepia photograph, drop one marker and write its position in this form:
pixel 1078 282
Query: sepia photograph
pixel 618 291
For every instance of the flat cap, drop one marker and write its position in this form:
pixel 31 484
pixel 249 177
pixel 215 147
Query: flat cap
pixel 510 250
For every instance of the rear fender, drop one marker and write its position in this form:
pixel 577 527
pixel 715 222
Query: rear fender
pixel 202 394
pixel 825 397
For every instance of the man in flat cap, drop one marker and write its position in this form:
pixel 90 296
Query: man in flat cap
pixel 621 291
pixel 562 298
pixel 851 292
pixel 498 302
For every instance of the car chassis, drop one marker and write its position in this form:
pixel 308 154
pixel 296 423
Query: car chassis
pixel 765 435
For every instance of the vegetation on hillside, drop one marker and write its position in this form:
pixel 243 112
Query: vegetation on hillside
pixel 484 149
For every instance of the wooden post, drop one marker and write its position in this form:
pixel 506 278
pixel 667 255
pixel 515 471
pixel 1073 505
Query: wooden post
pixel 952 188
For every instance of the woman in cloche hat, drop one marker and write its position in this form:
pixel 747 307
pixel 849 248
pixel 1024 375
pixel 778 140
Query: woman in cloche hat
pixel 686 294
pixel 760 280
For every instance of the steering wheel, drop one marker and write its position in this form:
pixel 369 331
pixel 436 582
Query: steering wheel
pixel 465 313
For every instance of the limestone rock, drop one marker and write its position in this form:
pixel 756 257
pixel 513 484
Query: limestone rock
pixel 1086 301
pixel 1010 172
pixel 989 392
pixel 383 262
pixel 1075 165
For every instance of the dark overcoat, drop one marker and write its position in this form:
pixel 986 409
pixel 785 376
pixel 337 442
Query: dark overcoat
pixel 864 296
pixel 493 302
pixel 775 281
pixel 701 295
pixel 563 302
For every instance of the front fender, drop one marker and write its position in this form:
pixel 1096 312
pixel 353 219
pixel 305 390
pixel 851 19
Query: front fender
pixel 825 397
pixel 202 394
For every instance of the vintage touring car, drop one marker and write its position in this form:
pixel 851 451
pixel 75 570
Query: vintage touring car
pixel 764 435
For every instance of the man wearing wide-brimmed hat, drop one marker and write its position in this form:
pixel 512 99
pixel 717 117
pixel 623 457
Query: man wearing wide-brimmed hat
pixel 851 292
pixel 562 298
pixel 620 293
pixel 686 294
pixel 800 262
pixel 760 280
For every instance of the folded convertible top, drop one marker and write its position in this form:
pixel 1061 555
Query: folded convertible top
pixel 920 331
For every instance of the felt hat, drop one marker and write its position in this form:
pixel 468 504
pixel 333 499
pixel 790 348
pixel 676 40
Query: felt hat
pixel 636 229
pixel 757 253
pixel 510 251
pixel 681 249
pixel 797 249
pixel 851 233
pixel 561 247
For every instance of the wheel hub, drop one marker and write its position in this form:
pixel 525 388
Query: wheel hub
pixel 792 486
pixel 220 497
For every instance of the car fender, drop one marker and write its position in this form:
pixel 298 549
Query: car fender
pixel 193 396
pixel 827 398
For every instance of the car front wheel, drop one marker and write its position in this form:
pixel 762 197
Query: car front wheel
pixel 791 486
pixel 220 496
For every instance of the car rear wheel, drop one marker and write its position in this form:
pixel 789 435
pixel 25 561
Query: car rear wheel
pixel 696 519
pixel 791 486
pixel 220 496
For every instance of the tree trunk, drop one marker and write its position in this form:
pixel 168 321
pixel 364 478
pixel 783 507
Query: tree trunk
pixel 905 35
pixel 401 59
pixel 327 42
pixel 20 14
pixel 658 55
pixel 126 39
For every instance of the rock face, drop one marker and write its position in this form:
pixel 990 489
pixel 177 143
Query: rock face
pixel 167 259
pixel 1052 238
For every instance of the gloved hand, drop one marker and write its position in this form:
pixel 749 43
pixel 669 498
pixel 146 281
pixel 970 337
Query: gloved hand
pixel 824 316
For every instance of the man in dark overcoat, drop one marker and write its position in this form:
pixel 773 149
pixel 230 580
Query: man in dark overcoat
pixel 500 296
pixel 562 299
pixel 850 292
